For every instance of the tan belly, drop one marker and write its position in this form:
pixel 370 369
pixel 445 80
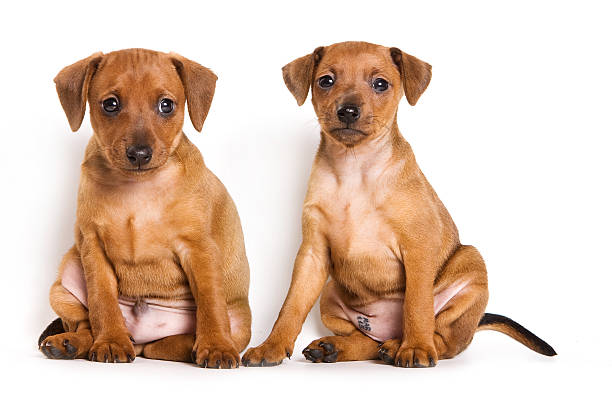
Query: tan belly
pixel 382 319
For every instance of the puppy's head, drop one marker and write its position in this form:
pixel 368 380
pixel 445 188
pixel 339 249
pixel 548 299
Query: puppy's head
pixel 356 87
pixel 136 101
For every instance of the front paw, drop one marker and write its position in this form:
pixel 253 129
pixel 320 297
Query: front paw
pixel 416 356
pixel 266 355
pixel 394 353
pixel 117 349
pixel 215 354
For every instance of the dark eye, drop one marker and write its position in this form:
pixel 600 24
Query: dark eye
pixel 111 105
pixel 166 106
pixel 380 85
pixel 326 81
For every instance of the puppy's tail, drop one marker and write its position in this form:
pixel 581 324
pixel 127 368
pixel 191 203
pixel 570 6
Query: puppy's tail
pixel 55 327
pixel 511 328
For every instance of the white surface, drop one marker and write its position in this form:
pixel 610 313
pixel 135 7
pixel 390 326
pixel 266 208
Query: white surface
pixel 513 133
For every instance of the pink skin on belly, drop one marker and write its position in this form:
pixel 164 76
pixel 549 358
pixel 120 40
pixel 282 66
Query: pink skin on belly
pixel 382 320
pixel 147 320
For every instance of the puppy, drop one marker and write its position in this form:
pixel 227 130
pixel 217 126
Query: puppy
pixel 402 288
pixel 158 268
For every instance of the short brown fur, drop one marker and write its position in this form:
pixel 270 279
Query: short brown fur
pixel 372 222
pixel 165 230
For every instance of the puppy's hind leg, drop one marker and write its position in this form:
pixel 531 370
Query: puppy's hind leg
pixel 348 344
pixel 171 348
pixel 73 338
pixel 240 323
pixel 457 320
pixel 461 295
pixel 180 347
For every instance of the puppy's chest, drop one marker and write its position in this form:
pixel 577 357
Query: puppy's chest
pixel 138 239
pixel 363 246
pixel 133 232
pixel 137 225
pixel 356 224
pixel 363 243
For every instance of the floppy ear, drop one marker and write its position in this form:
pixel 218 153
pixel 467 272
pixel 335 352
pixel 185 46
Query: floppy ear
pixel 298 74
pixel 199 83
pixel 72 83
pixel 415 74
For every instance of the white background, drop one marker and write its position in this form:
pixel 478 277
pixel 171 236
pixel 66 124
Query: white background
pixel 513 133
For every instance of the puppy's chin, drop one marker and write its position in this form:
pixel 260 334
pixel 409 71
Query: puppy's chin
pixel 139 172
pixel 347 136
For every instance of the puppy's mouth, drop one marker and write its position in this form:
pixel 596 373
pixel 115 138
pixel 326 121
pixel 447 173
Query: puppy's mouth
pixel 347 131
pixel 140 170
pixel 348 136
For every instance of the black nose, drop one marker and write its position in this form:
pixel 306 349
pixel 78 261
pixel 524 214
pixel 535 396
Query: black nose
pixel 139 155
pixel 348 113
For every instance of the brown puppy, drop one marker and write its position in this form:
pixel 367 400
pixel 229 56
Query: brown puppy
pixel 159 257
pixel 402 288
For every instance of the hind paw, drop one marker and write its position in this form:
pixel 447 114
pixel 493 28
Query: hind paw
pixel 388 350
pixel 323 350
pixel 65 346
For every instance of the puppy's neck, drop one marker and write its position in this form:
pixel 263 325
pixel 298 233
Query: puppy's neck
pixel 368 159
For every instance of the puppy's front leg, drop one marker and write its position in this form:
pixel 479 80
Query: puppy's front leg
pixel 112 342
pixel 418 348
pixel 309 275
pixel 214 347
